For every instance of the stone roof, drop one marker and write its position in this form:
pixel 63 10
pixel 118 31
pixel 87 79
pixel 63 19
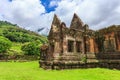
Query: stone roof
pixel 76 22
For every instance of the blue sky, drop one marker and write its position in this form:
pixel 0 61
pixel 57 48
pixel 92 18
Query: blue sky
pixel 46 4
pixel 35 14
pixel 10 0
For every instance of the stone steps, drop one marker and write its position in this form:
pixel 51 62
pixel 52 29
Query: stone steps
pixel 108 56
pixel 91 56
pixel 92 60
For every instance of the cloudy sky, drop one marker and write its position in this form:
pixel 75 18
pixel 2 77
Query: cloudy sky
pixel 35 14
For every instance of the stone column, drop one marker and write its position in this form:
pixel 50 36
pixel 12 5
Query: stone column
pixel 118 43
pixel 65 47
pixel 57 50
pixel 91 46
pixel 74 45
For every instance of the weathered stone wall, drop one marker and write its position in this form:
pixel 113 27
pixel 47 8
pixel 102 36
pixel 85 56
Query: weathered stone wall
pixel 106 60
pixel 80 47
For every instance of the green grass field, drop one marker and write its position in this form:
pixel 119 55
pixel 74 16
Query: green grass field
pixel 31 71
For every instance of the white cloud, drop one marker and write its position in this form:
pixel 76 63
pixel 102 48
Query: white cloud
pixel 26 13
pixel 53 3
pixel 96 13
pixel 29 13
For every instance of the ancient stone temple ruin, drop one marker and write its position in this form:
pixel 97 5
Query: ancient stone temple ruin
pixel 80 47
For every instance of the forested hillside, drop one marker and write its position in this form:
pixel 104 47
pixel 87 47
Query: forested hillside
pixel 19 37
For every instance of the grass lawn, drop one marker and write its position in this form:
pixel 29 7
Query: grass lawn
pixel 31 71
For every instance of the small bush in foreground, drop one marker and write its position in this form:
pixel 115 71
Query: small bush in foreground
pixel 5 44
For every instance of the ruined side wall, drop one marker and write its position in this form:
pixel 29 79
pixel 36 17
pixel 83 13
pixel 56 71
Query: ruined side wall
pixel 115 43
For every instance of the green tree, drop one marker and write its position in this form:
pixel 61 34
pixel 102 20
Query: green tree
pixel 31 48
pixel 5 44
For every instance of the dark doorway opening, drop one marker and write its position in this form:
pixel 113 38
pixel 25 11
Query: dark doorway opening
pixel 70 46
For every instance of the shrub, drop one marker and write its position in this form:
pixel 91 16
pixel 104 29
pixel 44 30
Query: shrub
pixel 31 48
pixel 5 44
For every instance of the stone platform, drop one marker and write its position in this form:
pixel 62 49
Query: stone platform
pixel 106 60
